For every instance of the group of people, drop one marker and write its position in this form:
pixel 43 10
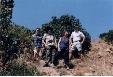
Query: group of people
pixel 54 51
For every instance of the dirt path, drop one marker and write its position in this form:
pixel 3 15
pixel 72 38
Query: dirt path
pixel 99 61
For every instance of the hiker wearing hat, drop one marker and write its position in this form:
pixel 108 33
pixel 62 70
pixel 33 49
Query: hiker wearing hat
pixel 76 40
pixel 50 44
pixel 37 40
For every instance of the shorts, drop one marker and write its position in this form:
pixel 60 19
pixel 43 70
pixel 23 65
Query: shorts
pixel 76 45
pixel 38 45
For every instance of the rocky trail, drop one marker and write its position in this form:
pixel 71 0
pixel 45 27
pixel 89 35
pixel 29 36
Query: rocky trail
pixel 99 61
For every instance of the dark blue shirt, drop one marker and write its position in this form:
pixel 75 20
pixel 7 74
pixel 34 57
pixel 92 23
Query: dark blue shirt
pixel 64 43
pixel 37 39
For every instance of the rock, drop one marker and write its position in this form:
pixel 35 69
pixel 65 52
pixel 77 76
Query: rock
pixel 111 49
pixel 108 50
pixel 99 55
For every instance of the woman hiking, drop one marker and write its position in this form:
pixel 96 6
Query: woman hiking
pixel 63 48
pixel 37 40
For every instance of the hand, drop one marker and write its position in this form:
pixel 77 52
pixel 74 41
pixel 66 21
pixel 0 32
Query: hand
pixel 81 42
pixel 45 45
pixel 70 45
pixel 58 49
pixel 55 45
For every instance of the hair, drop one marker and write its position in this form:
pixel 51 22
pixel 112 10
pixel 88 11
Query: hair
pixel 64 33
pixel 38 28
pixel 77 28
pixel 49 28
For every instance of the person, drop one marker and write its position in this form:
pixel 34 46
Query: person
pixel 47 27
pixel 76 40
pixel 37 40
pixel 49 41
pixel 63 48
pixel 43 56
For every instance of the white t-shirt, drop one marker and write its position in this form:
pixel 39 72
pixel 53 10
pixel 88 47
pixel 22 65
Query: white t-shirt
pixel 50 39
pixel 76 36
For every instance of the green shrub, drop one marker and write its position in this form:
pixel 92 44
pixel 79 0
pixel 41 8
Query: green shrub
pixel 16 69
pixel 108 36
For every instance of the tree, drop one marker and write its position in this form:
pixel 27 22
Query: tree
pixel 7 40
pixel 108 36
pixel 24 35
pixel 5 18
pixel 68 23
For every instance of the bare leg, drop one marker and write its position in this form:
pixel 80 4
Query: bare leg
pixel 41 52
pixel 70 55
pixel 35 53
pixel 38 53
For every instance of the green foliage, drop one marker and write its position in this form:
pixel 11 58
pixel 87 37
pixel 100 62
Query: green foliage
pixel 7 40
pixel 65 22
pixel 5 15
pixel 68 23
pixel 13 38
pixel 5 20
pixel 16 69
pixel 11 33
pixel 108 36
pixel 23 34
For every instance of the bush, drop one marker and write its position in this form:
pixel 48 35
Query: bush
pixel 107 37
pixel 16 69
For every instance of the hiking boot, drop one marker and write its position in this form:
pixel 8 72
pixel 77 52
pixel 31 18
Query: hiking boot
pixel 52 65
pixel 69 66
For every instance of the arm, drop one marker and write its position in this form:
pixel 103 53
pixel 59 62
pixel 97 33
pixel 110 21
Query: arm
pixel 43 40
pixel 83 38
pixel 33 43
pixel 55 42
pixel 70 41
pixel 32 39
pixel 59 44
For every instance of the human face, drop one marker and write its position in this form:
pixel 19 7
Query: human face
pixel 76 30
pixel 49 32
pixel 66 34
pixel 37 31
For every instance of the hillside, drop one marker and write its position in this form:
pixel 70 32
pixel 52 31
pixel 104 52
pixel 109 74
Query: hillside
pixel 98 61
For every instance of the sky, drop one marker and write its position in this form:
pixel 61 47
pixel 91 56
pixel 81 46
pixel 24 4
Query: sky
pixel 96 16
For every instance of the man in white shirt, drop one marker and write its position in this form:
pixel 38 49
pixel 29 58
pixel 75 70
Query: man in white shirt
pixel 49 39
pixel 76 40
pixel 50 44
